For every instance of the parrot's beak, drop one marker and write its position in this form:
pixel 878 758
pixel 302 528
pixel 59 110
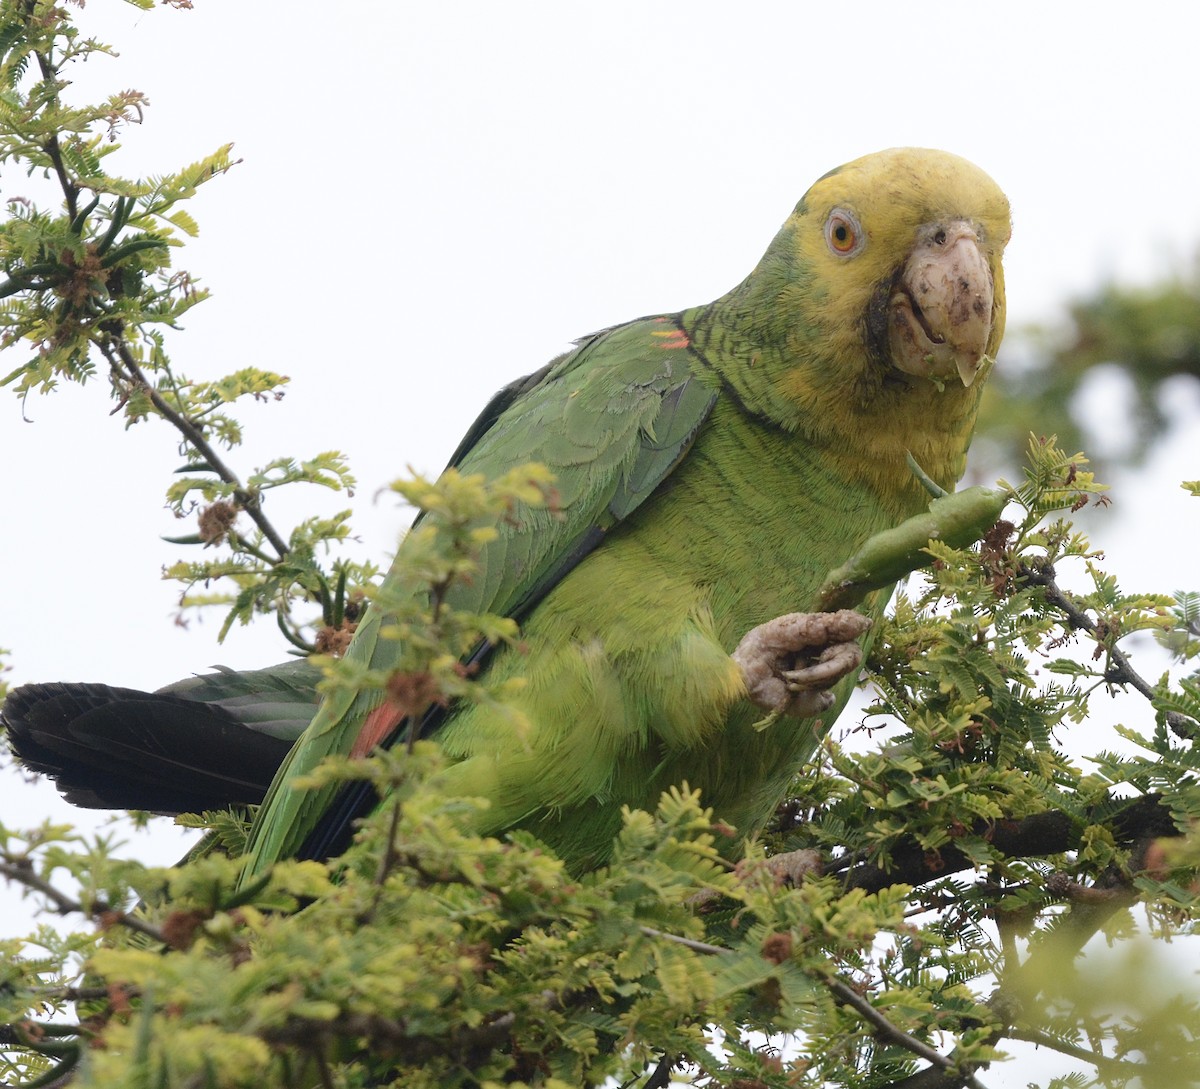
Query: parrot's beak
pixel 940 315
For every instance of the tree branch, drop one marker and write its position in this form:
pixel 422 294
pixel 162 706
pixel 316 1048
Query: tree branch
pixel 844 995
pixel 1035 836
pixel 120 358
pixel 1101 1062
pixel 1120 670
pixel 51 147
pixel 936 1077
pixel 21 871
pixel 661 1077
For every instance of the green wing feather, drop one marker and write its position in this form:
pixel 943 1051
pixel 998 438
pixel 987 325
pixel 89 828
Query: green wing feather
pixel 611 419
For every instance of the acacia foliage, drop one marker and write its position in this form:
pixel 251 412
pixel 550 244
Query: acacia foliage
pixel 90 290
pixel 947 873
pixel 964 861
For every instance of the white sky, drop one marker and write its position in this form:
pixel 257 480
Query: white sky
pixel 436 198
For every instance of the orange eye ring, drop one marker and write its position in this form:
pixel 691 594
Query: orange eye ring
pixel 843 234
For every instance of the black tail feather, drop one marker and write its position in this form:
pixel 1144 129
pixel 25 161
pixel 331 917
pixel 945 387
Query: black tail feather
pixel 117 748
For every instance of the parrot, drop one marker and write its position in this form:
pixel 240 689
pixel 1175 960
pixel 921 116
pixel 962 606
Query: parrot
pixel 711 467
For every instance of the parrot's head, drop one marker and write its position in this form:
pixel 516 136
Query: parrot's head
pixel 898 255
pixel 881 299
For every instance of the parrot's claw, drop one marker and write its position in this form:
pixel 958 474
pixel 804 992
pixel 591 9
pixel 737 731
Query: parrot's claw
pixel 790 663
pixel 792 868
pixel 832 664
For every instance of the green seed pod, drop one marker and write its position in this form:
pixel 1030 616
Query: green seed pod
pixel 959 519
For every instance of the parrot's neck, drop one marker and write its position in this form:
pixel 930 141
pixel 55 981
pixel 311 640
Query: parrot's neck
pixel 864 416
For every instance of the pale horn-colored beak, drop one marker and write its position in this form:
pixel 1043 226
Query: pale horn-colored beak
pixel 941 315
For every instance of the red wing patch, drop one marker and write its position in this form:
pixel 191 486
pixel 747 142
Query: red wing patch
pixel 380 722
pixel 674 338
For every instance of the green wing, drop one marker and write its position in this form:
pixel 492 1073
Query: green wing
pixel 611 419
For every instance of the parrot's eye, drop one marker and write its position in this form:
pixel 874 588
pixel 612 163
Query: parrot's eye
pixel 843 234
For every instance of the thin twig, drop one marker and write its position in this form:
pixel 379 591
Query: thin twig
pixel 52 149
pixel 323 1069
pixel 70 994
pixel 846 996
pixel 21 871
pixel 387 862
pixel 1120 670
pixel 698 947
pixel 1123 1066
pixel 119 357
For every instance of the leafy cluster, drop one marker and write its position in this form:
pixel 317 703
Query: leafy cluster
pixel 436 642
pixel 89 288
pixel 1018 853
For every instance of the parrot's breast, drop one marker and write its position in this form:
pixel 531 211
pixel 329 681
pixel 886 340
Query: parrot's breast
pixel 629 687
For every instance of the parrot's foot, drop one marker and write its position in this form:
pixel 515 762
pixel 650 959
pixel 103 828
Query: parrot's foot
pixel 788 870
pixel 792 867
pixel 790 663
